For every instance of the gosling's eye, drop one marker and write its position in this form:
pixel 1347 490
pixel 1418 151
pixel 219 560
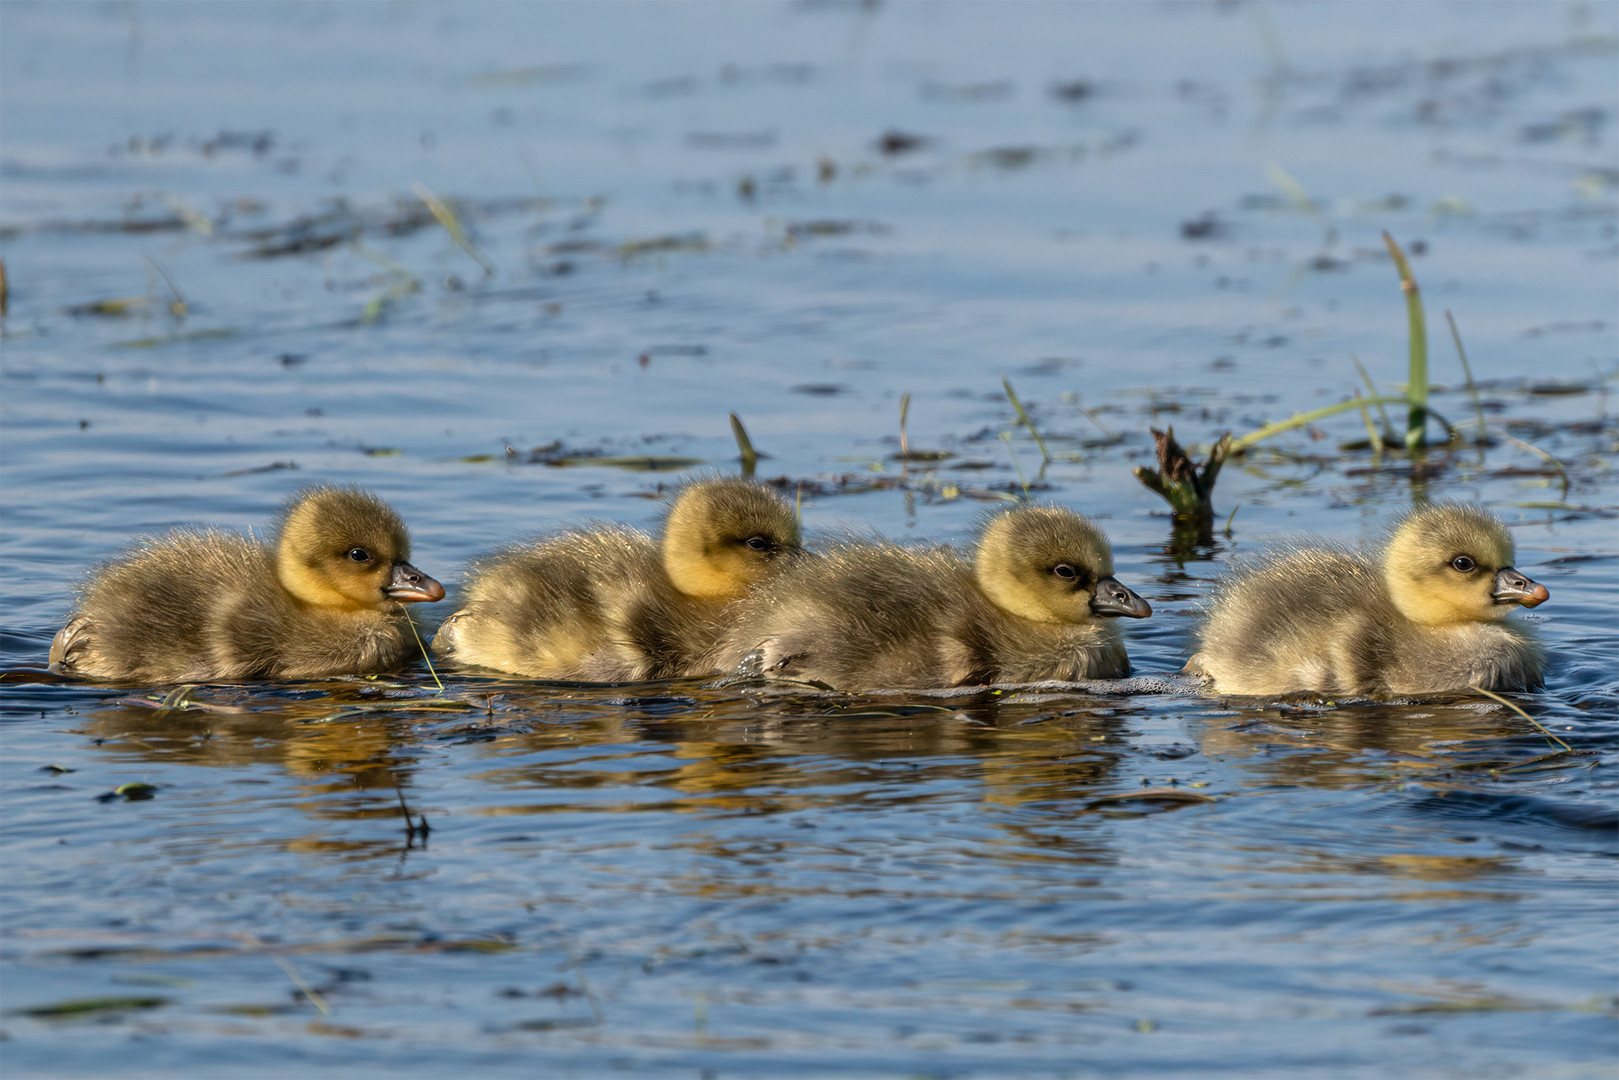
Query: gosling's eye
pixel 758 543
pixel 359 554
pixel 1066 572
pixel 1462 564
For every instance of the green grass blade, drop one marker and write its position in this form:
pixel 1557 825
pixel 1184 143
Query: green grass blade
pixel 904 441
pixel 1467 369
pixel 1544 456
pixel 1301 419
pixel 1023 418
pixel 452 225
pixel 1371 390
pixel 1006 437
pixel 750 456
pixel 1372 438
pixel 1417 381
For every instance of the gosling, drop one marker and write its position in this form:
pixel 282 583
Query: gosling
pixel 198 606
pixel 612 604
pixel 1428 615
pixel 1036 604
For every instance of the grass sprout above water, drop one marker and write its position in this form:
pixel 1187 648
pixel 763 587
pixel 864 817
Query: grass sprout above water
pixel 1417 383
pixel 1185 498
pixel 1023 418
pixel 1541 728
pixel 744 445
pixel 452 225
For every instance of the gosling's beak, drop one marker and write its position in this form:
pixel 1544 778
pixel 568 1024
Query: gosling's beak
pixel 408 585
pixel 1113 599
pixel 1512 587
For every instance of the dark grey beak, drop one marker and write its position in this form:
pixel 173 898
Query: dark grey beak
pixel 1512 587
pixel 1113 599
pixel 409 585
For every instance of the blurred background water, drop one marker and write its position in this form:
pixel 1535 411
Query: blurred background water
pixel 225 279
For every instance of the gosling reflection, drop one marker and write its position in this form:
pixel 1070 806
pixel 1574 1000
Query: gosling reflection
pixel 345 771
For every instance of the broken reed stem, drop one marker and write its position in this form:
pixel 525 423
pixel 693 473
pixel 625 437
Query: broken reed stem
pixel 1497 697
pixel 1417 381
pixel 1188 489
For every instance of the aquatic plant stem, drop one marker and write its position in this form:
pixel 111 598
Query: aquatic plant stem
pixel 1467 369
pixel 452 225
pixel 904 441
pixel 1497 697
pixel 1371 389
pixel 420 645
pixel 744 445
pixel 1006 437
pixel 178 306
pixel 303 987
pixel 1023 418
pixel 1417 381
pixel 1301 419
pixel 1188 490
pixel 1373 439
pixel 1544 456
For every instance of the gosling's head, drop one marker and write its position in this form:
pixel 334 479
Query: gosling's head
pixel 1450 564
pixel 1051 565
pixel 726 535
pixel 346 549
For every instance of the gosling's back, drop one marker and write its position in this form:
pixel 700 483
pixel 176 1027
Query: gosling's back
pixel 867 616
pixel 610 604
pixel 588 605
pixel 1323 619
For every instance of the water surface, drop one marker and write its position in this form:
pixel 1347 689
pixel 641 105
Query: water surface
pixel 1141 215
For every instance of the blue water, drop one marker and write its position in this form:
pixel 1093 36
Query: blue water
pixel 1140 214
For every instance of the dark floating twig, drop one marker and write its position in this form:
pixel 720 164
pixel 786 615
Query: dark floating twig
pixel 1188 489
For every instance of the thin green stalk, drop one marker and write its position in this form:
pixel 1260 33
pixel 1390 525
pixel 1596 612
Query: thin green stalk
pixel 1372 431
pixel 1417 381
pixel 1520 712
pixel 904 442
pixel 1371 389
pixel 1090 414
pixel 1300 198
pixel 1472 388
pixel 1302 419
pixel 1023 418
pixel 1544 456
pixel 1006 437
pixel 178 306
pixel 410 622
pixel 452 225
pixel 303 987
